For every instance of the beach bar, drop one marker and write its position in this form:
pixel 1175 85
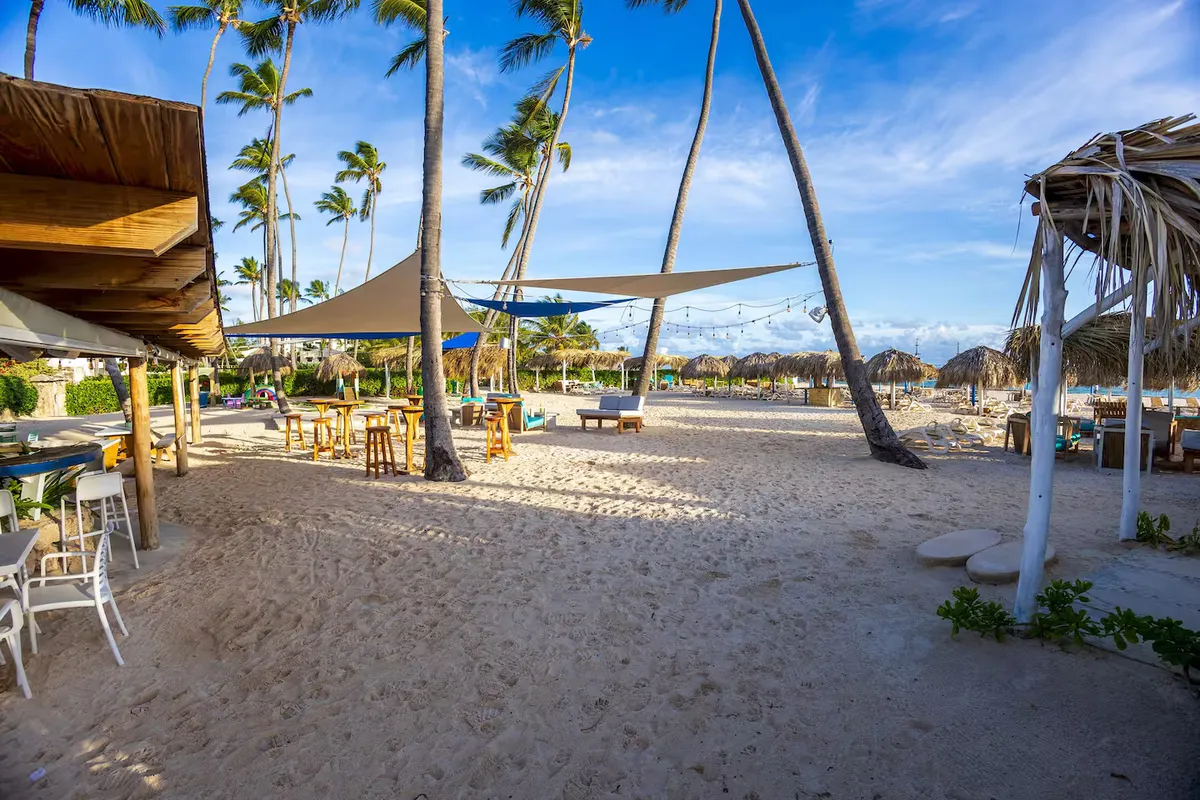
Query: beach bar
pixel 106 246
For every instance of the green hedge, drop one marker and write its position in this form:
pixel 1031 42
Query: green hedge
pixel 97 396
pixel 17 395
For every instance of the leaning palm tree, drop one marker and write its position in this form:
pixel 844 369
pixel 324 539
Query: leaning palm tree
pixel 881 439
pixel 222 13
pixel 122 13
pixel 249 272
pixel 685 183
pixel 256 157
pixel 441 459
pixel 340 205
pixel 363 164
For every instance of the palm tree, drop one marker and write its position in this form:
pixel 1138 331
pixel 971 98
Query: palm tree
pixel 363 164
pixel 317 291
pixel 562 332
pixel 290 293
pixel 685 183
pixel 222 13
pixel 249 272
pixel 410 13
pixel 338 203
pixel 441 459
pixel 882 440
pixel 121 13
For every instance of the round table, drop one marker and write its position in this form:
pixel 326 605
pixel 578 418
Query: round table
pixel 322 404
pixel 344 409
pixel 49 459
pixel 412 418
pixel 414 399
pixel 503 405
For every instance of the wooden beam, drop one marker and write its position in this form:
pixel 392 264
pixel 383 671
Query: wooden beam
pixel 35 270
pixel 76 217
pixel 194 386
pixel 74 301
pixel 143 472
pixel 181 453
pixel 152 321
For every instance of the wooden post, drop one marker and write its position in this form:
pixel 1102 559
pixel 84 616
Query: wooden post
pixel 1043 422
pixel 893 404
pixel 181 454
pixel 194 385
pixel 139 397
pixel 1131 481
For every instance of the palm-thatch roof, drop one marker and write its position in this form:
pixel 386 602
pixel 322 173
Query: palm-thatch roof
pixel 661 362
pixel 394 355
pixel 1132 198
pixel 754 365
pixel 261 361
pixel 704 366
pixel 457 363
pixel 979 365
pixel 929 372
pixel 818 366
pixel 786 365
pixel 540 361
pixel 606 359
pixel 337 365
pixel 895 366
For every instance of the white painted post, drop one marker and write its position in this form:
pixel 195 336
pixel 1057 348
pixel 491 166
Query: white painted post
pixel 1043 422
pixel 622 376
pixel 564 378
pixel 1131 476
pixel 893 405
pixel 1171 397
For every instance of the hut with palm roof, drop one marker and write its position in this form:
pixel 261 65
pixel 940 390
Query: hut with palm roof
pixel 387 357
pixel 982 367
pixel 754 367
pixel 895 366
pixel 261 362
pixel 702 368
pixel 822 369
pixel 336 366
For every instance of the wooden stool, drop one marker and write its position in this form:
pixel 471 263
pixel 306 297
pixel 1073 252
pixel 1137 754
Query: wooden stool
pixel 379 450
pixel 395 420
pixel 294 421
pixel 323 441
pixel 495 437
pixel 374 418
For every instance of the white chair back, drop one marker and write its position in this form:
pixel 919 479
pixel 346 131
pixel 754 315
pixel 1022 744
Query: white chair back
pixel 8 511
pixel 100 571
pixel 97 487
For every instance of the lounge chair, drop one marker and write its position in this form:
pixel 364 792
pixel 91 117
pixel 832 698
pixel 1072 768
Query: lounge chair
pixel 626 411
pixel 938 438
pixel 520 420
pixel 1162 424
pixel 911 403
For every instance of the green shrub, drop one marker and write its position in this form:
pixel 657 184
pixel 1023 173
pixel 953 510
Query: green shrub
pixel 97 396
pixel 17 395
pixel 1061 619
pixel 968 612
pixel 1153 531
pixel 25 369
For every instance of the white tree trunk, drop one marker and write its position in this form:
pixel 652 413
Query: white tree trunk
pixel 1131 483
pixel 564 378
pixel 1042 425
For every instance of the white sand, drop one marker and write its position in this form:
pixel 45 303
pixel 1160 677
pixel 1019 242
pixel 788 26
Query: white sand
pixel 728 604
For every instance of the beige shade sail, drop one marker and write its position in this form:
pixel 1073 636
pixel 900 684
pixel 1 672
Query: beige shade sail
pixel 387 306
pixel 27 326
pixel 653 285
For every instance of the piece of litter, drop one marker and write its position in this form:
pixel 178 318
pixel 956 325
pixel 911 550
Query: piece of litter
pixel 37 774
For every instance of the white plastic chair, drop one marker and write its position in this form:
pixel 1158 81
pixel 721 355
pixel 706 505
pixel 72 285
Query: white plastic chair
pixel 102 488
pixel 8 512
pixel 87 590
pixel 10 634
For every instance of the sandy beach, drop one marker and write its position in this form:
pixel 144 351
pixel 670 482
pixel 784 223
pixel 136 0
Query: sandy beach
pixel 727 604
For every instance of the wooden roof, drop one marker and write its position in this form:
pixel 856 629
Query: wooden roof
pixel 104 212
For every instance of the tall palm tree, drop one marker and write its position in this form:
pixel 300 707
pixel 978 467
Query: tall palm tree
pixel 341 206
pixel 318 292
pixel 363 164
pixel 249 272
pixel 222 13
pixel 562 331
pixel 290 293
pixel 120 13
pixel 441 459
pixel 685 184
pixel 882 440
pixel 256 157
pixel 410 13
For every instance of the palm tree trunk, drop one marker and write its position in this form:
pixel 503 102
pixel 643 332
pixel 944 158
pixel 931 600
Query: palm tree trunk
pixel 685 186
pixel 212 54
pixel 295 298
pixel 345 238
pixel 118 381
pixel 273 214
pixel 489 319
pixel 35 12
pixel 514 328
pixel 441 459
pixel 408 383
pixel 371 247
pixel 882 440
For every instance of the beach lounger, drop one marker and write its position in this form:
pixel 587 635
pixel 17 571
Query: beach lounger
pixel 624 410
pixel 911 403
pixel 938 438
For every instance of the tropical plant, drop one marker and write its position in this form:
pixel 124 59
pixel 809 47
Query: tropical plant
pixel 441 459
pixel 1061 619
pixel 881 438
pixel 317 291
pixel 340 206
pixel 290 293
pixel 969 612
pixel 1154 531
pixel 654 327
pixel 120 13
pixel 363 164
pixel 250 272
pixel 222 13
pixel 562 331
pixel 410 13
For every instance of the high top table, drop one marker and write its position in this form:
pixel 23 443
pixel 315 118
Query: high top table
pixel 412 418
pixel 33 468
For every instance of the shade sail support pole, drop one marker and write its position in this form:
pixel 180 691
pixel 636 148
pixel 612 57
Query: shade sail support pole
pixel 1043 422
pixel 194 391
pixel 177 404
pixel 1131 477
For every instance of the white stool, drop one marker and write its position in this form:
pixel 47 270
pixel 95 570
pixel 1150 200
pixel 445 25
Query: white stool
pixel 103 488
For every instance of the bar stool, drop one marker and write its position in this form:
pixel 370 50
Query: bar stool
pixel 374 418
pixel 295 421
pixel 495 437
pixel 379 450
pixel 323 441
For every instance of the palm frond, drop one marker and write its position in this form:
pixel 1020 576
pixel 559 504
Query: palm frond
pixel 122 14
pixel 407 12
pixel 497 194
pixel 409 57
pixel 514 214
pixel 526 49
pixel 185 18
pixel 264 36
pixel 564 155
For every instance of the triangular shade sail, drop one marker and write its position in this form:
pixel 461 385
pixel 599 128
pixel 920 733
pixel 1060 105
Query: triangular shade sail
pixel 387 306
pixel 530 309
pixel 653 285
pixel 26 323
pixel 464 341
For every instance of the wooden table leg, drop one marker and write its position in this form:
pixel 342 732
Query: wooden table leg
pixel 410 436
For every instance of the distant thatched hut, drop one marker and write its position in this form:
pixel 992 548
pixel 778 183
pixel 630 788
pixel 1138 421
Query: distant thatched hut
pixel 262 362
pixel 703 367
pixel 824 366
pixel 982 367
pixel 388 357
pixel 893 366
pixel 457 363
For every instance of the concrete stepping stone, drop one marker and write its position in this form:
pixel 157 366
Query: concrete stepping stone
pixel 955 548
pixel 1001 564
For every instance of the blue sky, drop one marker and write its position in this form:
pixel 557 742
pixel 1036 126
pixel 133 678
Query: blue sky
pixel 919 119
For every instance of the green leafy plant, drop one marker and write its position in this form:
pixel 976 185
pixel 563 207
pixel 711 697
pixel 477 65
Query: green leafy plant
pixel 1125 627
pixel 24 506
pixel 1061 619
pixel 969 612
pixel 1152 530
pixel 1189 542
pixel 1174 643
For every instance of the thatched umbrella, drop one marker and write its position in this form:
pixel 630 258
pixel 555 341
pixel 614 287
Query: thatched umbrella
pixel 754 365
pixel 539 362
pixel 981 366
pixel 825 366
pixel 704 367
pixel 336 366
pixel 929 372
pixel 892 366
pixel 262 361
pixel 457 363
pixel 387 356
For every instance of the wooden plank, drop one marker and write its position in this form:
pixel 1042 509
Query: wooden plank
pixel 71 216
pixel 31 270
pixel 181 454
pixel 52 131
pixel 134 131
pixel 181 147
pixel 74 301
pixel 143 474
pixel 153 322
pixel 194 384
